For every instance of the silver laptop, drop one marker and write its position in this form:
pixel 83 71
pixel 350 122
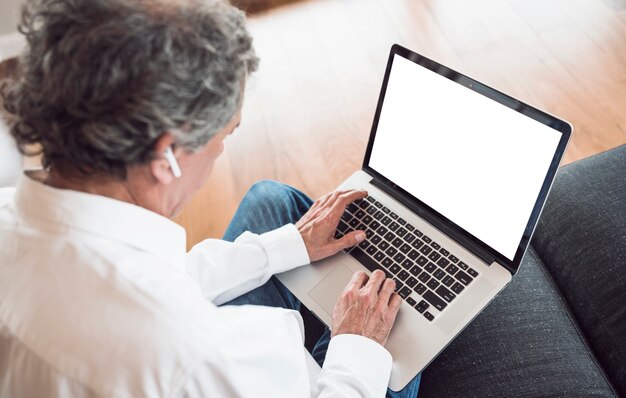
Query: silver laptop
pixel 457 174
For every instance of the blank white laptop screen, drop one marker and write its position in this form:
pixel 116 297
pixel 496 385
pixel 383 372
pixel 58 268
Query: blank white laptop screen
pixel 475 161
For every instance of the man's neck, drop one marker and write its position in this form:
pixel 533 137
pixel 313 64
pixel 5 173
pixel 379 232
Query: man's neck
pixel 97 185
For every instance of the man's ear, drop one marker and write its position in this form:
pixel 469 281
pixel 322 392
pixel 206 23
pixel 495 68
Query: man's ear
pixel 159 166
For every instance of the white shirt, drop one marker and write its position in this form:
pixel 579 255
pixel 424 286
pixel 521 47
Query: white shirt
pixel 99 298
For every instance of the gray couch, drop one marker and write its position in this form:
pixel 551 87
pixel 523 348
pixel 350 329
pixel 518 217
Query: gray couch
pixel 559 328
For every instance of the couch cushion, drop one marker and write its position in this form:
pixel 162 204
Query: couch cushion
pixel 581 238
pixel 523 345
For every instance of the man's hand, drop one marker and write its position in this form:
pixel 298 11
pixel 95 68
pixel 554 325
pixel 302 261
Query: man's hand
pixel 319 224
pixel 367 307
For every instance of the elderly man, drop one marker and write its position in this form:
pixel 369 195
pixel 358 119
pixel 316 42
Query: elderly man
pixel 129 103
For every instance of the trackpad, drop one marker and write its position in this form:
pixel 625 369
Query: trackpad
pixel 327 292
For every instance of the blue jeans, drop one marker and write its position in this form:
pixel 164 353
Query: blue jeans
pixel 269 205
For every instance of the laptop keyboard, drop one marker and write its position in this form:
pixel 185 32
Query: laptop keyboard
pixel 428 276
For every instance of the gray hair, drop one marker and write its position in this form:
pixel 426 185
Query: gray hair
pixel 102 80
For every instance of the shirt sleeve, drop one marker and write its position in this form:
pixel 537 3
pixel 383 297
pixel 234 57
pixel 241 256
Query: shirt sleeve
pixel 355 366
pixel 225 270
pixel 260 353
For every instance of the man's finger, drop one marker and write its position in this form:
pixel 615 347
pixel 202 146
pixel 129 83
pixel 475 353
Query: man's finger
pixel 349 240
pixel 394 303
pixel 386 290
pixel 339 206
pixel 358 279
pixel 376 279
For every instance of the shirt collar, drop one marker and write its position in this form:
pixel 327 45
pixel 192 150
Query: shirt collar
pixel 100 215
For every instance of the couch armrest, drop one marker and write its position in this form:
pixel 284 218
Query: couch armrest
pixel 581 239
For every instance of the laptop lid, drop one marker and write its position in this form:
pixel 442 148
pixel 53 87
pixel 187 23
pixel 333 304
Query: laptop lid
pixel 474 162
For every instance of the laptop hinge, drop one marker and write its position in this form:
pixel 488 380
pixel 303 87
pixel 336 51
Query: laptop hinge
pixel 436 222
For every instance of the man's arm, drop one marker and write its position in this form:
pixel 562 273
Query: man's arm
pixel 225 270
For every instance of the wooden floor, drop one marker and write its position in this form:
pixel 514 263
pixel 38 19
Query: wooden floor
pixel 309 108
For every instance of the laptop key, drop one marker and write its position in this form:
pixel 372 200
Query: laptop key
pixel 399 258
pixel 444 252
pixel 387 262
pixel 452 269
pixel 383 245
pixel 354 222
pixel 453 258
pixel 407 264
pixel 390 236
pixel 386 210
pixel 472 272
pixel 401 221
pixel 434 245
pixel 404 292
pixel 429 316
pixel 457 288
pixel 445 293
pixel 420 288
pixel 364 259
pixel 393 215
pixel 433 284
pixel 367 220
pixel 382 231
pixel 386 220
pixel 405 249
pixel 424 277
pixel 370 199
pixel 430 268
pixel 391 251
pixel 439 274
pixel 463 265
pixel 409 227
pixel 374 225
pixel 395 268
pixel 448 280
pixel 434 300
pixel 352 208
pixel 411 282
pixel 371 210
pixel 434 256
pixel 418 233
pixel 463 278
pixel 363 245
pixel 369 234
pixel 411 301
pixel 425 249
pixel 360 214
pixel 415 270
pixel 443 262
pixel 403 275
pixel 378 204
pixel 376 239
pixel 394 226
pixel 422 261
pixel 379 256
pixel 413 254
pixel 426 239
pixel 417 244
pixel 397 242
pixel 378 215
pixel 372 250
pixel 409 237
pixel 423 304
pixel 401 232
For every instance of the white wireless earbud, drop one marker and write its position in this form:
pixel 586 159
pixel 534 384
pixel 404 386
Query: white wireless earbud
pixel 171 160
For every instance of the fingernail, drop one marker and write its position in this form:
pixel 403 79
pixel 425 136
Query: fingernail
pixel 360 237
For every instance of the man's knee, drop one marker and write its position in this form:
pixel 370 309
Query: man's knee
pixel 268 190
